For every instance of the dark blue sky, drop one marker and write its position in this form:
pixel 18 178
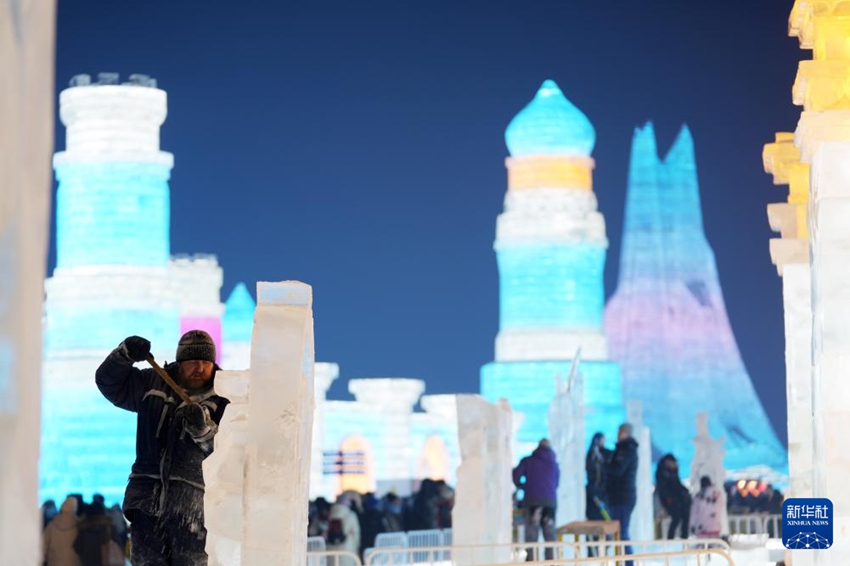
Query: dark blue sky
pixel 358 146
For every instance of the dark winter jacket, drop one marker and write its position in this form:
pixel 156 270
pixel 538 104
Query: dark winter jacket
pixel 541 474
pixel 596 466
pixel 622 473
pixel 672 494
pixel 165 451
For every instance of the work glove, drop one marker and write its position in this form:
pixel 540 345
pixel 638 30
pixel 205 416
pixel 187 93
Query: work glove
pixel 196 420
pixel 136 348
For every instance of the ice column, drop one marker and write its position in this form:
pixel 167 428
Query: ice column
pixel 198 279
pixel 823 136
pixel 790 254
pixel 567 436
pixel 224 473
pixel 708 461
pixel 641 527
pixel 260 471
pixel 325 375
pixel 482 510
pixel 26 139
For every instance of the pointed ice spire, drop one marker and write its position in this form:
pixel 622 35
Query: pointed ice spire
pixel 550 125
pixel 238 320
pixel 680 187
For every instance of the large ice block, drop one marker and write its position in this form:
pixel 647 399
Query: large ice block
pixel 26 140
pixel 259 474
pixel 482 509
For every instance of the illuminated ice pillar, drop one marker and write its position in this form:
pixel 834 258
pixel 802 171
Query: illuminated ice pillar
pixel 26 140
pixel 567 437
pixel 790 254
pixel 112 276
pixel 198 282
pixel 321 485
pixel 642 525
pixel 550 249
pixel 823 136
pixel 482 511
pixel 280 427
pixel 237 325
pixel 394 398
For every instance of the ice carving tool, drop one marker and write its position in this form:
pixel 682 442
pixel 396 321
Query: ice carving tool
pixel 167 378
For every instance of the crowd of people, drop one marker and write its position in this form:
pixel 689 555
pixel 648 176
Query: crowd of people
pixel 354 520
pixel 83 534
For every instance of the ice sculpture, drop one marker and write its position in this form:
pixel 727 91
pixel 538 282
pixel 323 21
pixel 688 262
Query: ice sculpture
pixel 823 137
pixel 26 139
pixel 266 442
pixel 708 461
pixel 567 437
pixel 482 509
pixel 642 525
pixel 667 323
pixel 324 375
pixel 550 248
pixel 114 277
pixel 790 254
pixel 237 324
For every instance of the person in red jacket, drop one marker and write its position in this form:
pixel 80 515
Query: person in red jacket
pixel 164 500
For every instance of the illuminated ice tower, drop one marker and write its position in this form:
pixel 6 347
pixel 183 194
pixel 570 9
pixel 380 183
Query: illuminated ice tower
pixel 114 277
pixel 550 248
pixel 667 322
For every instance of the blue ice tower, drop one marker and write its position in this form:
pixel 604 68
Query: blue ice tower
pixel 237 328
pixel 111 278
pixel 550 249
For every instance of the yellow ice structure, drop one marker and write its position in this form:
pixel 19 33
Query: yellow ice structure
pixel 814 260
pixel 790 219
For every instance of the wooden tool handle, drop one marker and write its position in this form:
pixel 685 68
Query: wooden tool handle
pixel 167 378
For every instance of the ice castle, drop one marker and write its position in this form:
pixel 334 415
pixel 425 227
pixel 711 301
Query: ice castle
pixel 115 276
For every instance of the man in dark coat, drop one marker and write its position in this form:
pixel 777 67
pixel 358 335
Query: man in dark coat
pixel 541 474
pixel 164 500
pixel 622 488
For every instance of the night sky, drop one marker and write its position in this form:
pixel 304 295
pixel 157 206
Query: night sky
pixel 358 146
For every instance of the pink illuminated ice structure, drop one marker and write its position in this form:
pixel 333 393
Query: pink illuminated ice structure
pixel 667 324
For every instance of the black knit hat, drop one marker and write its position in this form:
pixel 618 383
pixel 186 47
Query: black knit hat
pixel 196 345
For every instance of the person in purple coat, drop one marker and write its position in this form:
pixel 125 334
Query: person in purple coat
pixel 538 475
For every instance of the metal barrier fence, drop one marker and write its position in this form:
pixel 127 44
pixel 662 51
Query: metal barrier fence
pixel 750 524
pixel 608 551
pixel 756 524
pixel 332 558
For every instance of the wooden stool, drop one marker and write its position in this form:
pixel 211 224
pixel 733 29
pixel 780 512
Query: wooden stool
pixel 599 529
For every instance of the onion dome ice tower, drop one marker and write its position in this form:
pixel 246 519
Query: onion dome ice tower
pixel 550 249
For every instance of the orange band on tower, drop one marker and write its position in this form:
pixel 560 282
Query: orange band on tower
pixel 549 172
